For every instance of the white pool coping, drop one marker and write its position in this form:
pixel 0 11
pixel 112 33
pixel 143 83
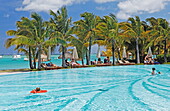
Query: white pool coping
pixel 8 73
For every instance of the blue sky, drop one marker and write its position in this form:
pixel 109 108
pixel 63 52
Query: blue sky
pixel 12 10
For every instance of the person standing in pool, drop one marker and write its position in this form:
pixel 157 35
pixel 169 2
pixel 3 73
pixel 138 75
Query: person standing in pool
pixel 155 72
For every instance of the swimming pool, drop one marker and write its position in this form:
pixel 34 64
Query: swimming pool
pixel 113 88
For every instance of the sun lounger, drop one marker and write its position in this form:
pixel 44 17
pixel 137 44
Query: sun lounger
pixel 152 63
pixel 130 63
pixel 78 66
pixel 108 64
pixel 120 62
pixel 43 65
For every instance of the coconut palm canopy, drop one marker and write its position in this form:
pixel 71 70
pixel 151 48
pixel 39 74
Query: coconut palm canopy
pixel 34 36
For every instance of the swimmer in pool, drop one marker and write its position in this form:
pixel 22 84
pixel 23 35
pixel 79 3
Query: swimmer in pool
pixel 155 72
pixel 37 89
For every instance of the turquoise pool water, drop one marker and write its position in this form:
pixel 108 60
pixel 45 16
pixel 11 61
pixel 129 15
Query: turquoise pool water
pixel 114 88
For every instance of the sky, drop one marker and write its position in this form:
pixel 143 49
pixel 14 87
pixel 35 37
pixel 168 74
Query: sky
pixel 12 10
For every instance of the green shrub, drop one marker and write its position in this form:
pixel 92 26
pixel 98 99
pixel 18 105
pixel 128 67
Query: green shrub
pixel 160 58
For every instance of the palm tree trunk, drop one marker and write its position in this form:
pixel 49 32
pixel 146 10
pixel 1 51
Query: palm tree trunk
pixel 87 58
pixel 82 59
pixel 113 52
pixel 34 57
pixel 82 55
pixel 39 57
pixel 118 51
pixel 165 51
pixel 30 58
pixel 63 56
pixel 90 43
pixel 137 51
pixel 34 63
pixel 49 53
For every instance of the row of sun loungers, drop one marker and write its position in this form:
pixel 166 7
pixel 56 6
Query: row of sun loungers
pixel 99 65
pixel 120 62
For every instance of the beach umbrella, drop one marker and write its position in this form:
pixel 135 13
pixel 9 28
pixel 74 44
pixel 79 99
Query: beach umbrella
pixel 149 52
pixel 43 56
pixel 75 54
pixel 98 52
pixel 67 56
pixel 124 53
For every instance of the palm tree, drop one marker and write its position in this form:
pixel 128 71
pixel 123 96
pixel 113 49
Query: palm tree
pixel 22 39
pixel 109 28
pixel 87 25
pixel 155 35
pixel 32 34
pixel 134 29
pixel 61 28
pixel 40 34
pixel 143 41
pixel 80 44
pixel 162 32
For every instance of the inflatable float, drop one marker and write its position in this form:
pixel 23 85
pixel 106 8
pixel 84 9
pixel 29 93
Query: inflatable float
pixel 41 91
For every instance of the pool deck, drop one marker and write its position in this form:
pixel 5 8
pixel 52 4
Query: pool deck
pixel 17 71
pixel 7 73
pixel 14 71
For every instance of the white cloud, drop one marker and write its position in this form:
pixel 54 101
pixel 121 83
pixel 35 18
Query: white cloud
pixel 127 8
pixel 122 15
pixel 103 1
pixel 7 15
pixel 131 7
pixel 46 5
